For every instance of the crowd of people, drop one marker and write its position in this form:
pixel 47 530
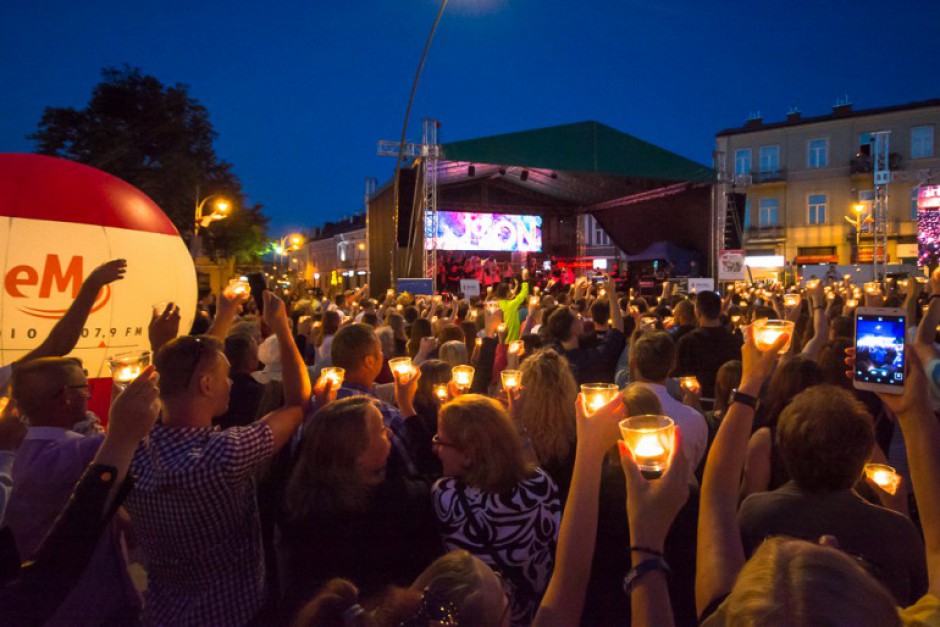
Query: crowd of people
pixel 405 459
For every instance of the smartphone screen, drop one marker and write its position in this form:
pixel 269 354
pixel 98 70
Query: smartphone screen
pixel 880 344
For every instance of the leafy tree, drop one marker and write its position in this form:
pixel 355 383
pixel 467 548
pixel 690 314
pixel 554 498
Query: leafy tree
pixel 158 139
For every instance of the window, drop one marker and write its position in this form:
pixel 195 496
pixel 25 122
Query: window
pixel 747 214
pixel 769 212
pixel 921 142
pixel 817 153
pixel 600 236
pixel 817 208
pixel 742 161
pixel 769 159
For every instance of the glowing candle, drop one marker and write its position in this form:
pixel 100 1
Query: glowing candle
pixel 533 301
pixel 515 347
pixel 479 341
pixel 596 395
pixel 492 306
pixel 766 333
pixel 811 284
pixel 501 328
pixel 463 376
pixel 401 367
pixel 389 292
pixel 237 288
pixel 872 288
pixel 126 367
pixel 885 477
pixel 400 307
pixel 602 292
pixel 472 315
pixel 650 439
pixel 440 391
pixel 336 377
pixel 511 379
pixel 792 300
pixel 688 383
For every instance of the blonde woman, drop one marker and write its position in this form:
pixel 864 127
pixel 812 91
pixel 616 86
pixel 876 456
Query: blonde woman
pixel 545 412
pixel 491 502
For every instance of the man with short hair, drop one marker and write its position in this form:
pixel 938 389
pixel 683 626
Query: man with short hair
pixel 52 393
pixel 702 351
pixel 651 359
pixel 683 317
pixel 194 507
pixel 825 436
pixel 357 349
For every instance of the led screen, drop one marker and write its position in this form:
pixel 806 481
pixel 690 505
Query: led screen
pixel 458 230
pixel 928 225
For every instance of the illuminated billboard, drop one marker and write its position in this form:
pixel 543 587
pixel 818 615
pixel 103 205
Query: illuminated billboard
pixel 458 230
pixel 928 225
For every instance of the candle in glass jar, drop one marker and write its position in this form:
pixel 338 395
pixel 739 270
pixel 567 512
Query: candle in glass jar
pixel 533 301
pixel 650 439
pixel 885 477
pixel 872 288
pixel 401 367
pixel 766 333
pixel 126 367
pixel 440 391
pixel 463 376
pixel 479 341
pixel 336 376
pixel 492 306
pixel 851 303
pixel 501 327
pixel 596 395
pixel 511 379
pixel 792 300
pixel 515 346
pixel 688 383
pixel 126 374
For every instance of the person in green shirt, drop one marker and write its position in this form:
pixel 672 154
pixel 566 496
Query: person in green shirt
pixel 510 304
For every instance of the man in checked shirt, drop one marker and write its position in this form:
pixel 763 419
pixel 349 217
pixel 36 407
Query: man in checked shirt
pixel 194 507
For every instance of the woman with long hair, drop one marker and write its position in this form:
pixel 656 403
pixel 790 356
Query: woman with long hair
pixel 545 410
pixel 420 329
pixel 491 502
pixel 341 515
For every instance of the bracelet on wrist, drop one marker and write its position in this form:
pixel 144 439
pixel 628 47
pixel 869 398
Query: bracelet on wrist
pixel 643 568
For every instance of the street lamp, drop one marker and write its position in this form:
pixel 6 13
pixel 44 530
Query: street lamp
pixel 858 208
pixel 220 211
pixel 287 244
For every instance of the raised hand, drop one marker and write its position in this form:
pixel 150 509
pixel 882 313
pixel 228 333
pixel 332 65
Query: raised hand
pixel 164 326
pixel 135 409
pixel 108 272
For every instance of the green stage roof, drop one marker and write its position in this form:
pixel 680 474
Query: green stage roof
pixel 582 147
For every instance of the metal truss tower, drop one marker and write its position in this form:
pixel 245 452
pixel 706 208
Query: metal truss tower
pixel 882 177
pixel 431 152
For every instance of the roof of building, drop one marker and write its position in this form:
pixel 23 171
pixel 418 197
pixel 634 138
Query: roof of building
pixel 589 147
pixel 330 229
pixel 839 112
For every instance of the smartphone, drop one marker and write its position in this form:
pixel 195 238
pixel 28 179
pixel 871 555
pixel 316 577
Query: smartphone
pixel 258 285
pixel 880 346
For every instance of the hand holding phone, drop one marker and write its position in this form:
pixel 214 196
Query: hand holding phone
pixel 880 349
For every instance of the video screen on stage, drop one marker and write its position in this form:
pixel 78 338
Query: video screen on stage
pixel 459 230
pixel 928 225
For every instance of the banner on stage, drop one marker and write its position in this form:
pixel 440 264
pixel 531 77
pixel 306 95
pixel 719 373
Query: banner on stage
pixel 469 288
pixel 416 286
pixel 731 266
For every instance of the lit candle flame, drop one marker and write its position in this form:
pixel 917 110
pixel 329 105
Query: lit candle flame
pixel 649 446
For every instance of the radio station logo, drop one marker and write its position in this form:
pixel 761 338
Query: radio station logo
pixel 48 284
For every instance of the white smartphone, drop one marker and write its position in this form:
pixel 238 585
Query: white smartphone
pixel 880 346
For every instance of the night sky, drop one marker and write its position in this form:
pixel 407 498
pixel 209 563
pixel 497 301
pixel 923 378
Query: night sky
pixel 300 92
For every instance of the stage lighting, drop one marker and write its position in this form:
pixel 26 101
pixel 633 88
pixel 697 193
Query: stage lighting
pixel 471 170
pixel 524 176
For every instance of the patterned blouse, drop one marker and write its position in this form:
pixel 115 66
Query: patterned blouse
pixel 514 532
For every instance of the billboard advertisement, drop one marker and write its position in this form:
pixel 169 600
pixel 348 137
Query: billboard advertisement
pixel 459 230
pixel 928 225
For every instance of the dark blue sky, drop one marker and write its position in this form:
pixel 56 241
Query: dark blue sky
pixel 300 92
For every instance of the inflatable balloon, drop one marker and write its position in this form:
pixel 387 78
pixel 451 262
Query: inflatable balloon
pixel 58 221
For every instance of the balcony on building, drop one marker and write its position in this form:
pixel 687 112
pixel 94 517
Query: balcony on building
pixel 775 233
pixel 864 163
pixel 771 176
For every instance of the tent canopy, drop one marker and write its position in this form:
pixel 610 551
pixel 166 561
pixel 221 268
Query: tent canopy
pixel 667 251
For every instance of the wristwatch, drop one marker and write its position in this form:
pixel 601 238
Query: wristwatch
pixel 746 399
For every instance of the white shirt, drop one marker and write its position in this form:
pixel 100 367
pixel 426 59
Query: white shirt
pixel 690 422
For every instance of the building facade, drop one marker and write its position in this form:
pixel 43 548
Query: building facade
pixel 802 177
pixel 595 243
pixel 335 256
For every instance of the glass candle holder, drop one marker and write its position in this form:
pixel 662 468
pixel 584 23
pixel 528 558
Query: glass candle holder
pixel 501 327
pixel 885 477
pixel 125 367
pixel 515 347
pixel 472 315
pixel 237 287
pixel 335 375
pixel 492 306
pixel 441 392
pixel 851 303
pixel 688 383
pixel 792 300
pixel 767 331
pixel 596 395
pixel 389 292
pixel 812 283
pixel 479 342
pixel 872 288
pixel 463 376
pixel 511 379
pixel 650 439
pixel 735 319
pixel 533 302
pixel 401 367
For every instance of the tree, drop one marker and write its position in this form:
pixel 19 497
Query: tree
pixel 158 139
